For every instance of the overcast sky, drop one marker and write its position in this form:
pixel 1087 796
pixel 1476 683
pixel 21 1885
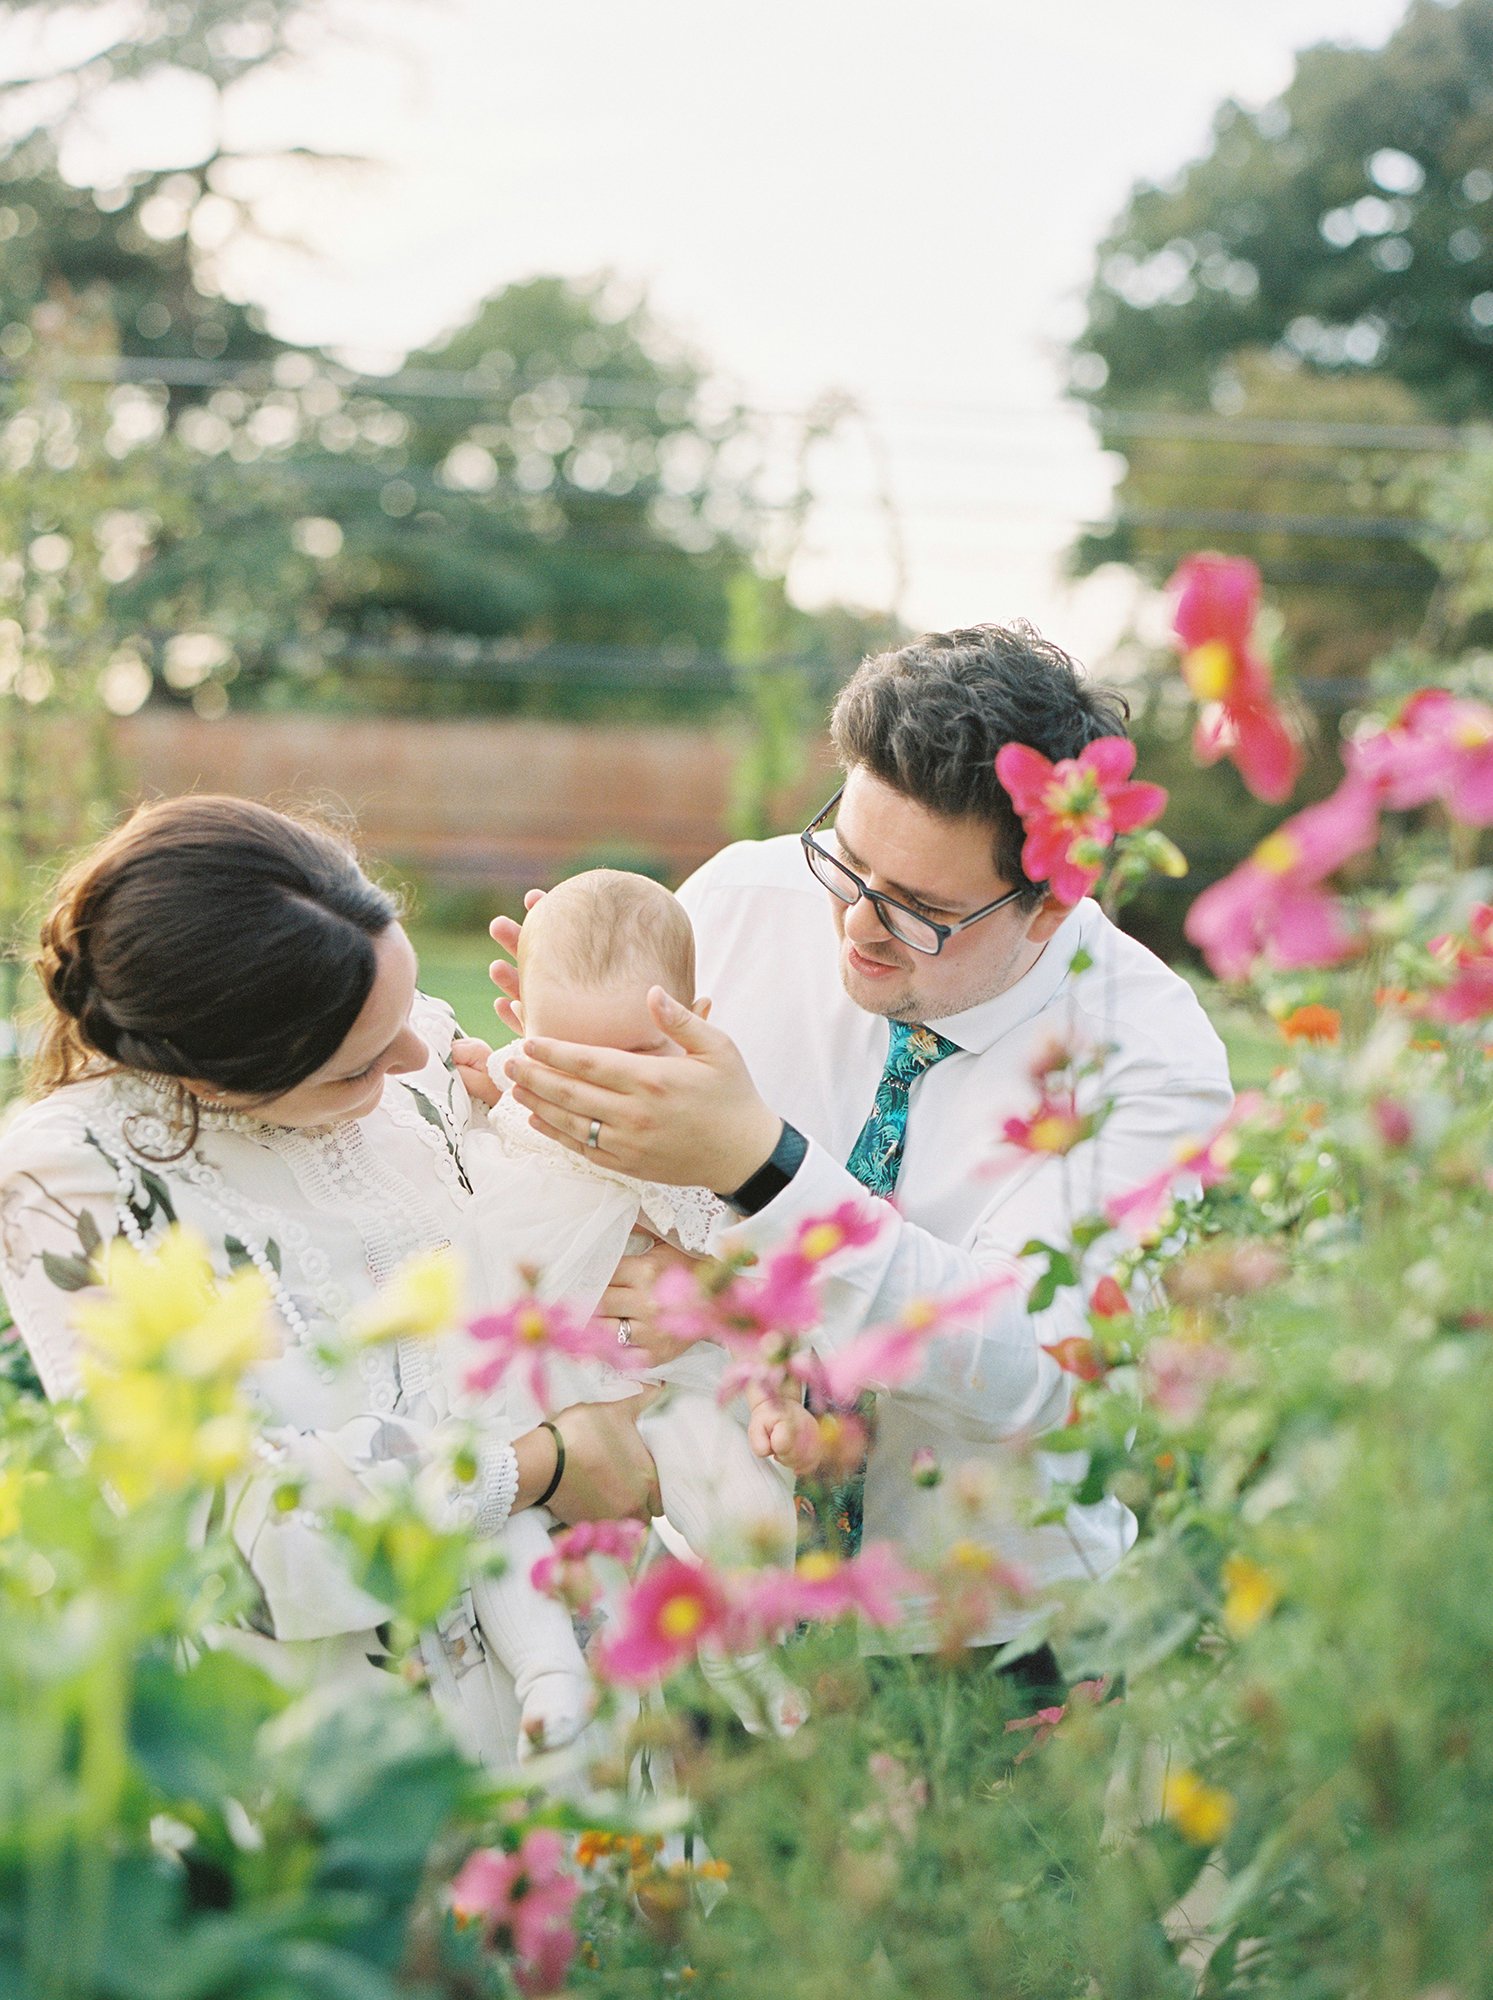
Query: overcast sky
pixel 899 202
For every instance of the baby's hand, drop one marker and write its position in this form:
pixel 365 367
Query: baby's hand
pixel 785 1431
pixel 470 1058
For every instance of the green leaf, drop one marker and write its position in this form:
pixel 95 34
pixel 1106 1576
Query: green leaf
pixel 68 1274
pixel 89 1234
pixel 1059 1272
pixel 159 1194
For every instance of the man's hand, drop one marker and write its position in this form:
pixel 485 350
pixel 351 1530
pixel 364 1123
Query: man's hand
pixel 630 1296
pixel 504 931
pixel 691 1120
pixel 470 1057
pixel 609 1471
pixel 785 1431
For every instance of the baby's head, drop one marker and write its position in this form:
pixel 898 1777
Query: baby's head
pixel 590 950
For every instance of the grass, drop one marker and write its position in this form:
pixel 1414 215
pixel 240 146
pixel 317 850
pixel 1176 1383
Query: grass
pixel 453 966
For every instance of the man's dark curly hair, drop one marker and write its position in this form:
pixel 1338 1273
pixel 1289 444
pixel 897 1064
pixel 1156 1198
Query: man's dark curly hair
pixel 929 718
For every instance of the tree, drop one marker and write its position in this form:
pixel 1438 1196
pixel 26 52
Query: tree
pixel 1346 232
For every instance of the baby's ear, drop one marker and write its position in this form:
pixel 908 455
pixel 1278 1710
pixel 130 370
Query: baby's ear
pixel 702 1008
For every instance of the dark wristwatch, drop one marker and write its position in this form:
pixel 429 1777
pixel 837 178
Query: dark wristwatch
pixel 774 1174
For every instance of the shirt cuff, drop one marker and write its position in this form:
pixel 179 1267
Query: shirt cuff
pixel 497 1483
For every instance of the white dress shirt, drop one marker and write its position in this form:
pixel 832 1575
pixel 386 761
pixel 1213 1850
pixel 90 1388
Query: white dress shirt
pixel 768 959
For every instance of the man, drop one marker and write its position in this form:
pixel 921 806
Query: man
pixel 829 958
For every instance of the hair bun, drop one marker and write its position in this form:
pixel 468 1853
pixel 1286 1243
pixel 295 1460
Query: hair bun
pixel 68 975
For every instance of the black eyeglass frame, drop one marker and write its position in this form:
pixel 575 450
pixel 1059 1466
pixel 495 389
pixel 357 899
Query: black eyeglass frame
pixel 881 903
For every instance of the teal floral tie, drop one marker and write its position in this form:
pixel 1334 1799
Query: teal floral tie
pixel 830 1515
pixel 876 1157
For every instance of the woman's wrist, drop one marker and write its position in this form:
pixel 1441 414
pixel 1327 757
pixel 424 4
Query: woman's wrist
pixel 538 1454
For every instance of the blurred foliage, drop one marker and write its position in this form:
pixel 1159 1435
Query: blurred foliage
pixel 1329 261
pixel 546 511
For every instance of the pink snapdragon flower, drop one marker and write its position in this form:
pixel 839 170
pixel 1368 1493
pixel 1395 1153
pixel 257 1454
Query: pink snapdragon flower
pixel 1046 1720
pixel 525 1334
pixel 523 1900
pixel 1077 1355
pixel 1469 959
pixel 1439 746
pixel 1218 602
pixel 1274 903
pixel 1072 810
pixel 1207 1161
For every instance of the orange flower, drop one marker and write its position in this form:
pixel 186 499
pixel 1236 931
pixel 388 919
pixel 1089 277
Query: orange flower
pixel 1312 1024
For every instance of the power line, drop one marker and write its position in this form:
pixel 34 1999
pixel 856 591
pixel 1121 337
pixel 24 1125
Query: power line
pixel 680 405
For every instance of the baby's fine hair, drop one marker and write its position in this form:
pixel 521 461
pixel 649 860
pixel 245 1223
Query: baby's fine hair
pixel 605 925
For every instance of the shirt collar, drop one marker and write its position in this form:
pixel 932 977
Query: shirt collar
pixel 980 1028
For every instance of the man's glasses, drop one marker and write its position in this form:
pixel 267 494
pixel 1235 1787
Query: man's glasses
pixel 918 932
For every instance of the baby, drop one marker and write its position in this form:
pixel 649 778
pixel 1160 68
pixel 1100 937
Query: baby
pixel 589 952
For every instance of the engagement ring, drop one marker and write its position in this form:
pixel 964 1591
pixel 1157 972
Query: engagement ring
pixel 593 1137
pixel 624 1333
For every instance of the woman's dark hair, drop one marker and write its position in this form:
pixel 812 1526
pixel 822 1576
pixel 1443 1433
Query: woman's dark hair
pixel 210 938
pixel 929 718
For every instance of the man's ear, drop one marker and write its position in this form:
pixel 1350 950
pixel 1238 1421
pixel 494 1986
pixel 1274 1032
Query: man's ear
pixel 1050 914
pixel 702 1008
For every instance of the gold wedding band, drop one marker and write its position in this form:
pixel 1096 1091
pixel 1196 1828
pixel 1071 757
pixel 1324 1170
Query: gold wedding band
pixel 593 1137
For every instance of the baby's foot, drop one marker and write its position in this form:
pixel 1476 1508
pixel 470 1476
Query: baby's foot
pixel 555 1709
pixel 765 1701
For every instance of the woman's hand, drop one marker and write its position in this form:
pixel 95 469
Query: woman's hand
pixel 609 1471
pixel 630 1297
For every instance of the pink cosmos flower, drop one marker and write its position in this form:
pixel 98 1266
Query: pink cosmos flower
pixel 1439 746
pixel 1178 1374
pixel 1055 1126
pixel 1274 903
pixel 672 1608
pixel 776 1302
pixel 1206 1161
pixel 886 1356
pixel 874 1585
pixel 1469 959
pixel 1393 1121
pixel 566 1571
pixel 1218 602
pixel 523 1902
pixel 526 1333
pixel 900 1794
pixel 1072 810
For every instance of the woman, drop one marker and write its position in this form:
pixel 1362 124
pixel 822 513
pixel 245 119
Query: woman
pixel 236 1042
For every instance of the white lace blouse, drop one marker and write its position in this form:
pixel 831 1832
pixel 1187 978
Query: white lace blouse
pixel 328 1215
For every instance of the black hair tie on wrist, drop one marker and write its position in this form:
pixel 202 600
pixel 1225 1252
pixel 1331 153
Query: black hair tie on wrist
pixel 559 1473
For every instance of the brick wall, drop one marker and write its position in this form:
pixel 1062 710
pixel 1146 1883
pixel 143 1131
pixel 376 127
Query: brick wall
pixel 471 799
